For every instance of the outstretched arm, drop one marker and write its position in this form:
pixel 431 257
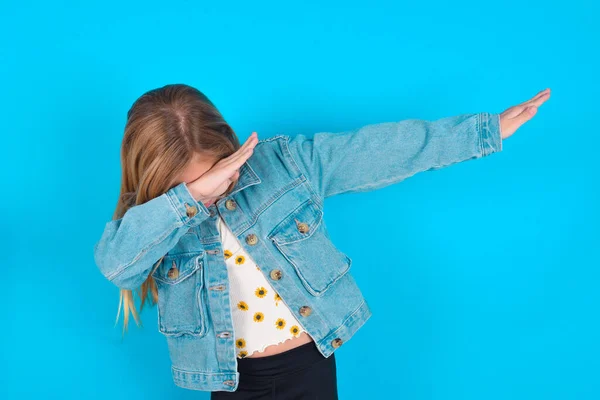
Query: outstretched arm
pixel 381 154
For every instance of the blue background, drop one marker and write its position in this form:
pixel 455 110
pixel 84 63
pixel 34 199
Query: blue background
pixel 483 277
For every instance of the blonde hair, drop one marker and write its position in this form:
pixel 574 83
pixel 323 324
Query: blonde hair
pixel 165 126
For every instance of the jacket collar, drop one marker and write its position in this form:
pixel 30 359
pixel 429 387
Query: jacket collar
pixel 248 177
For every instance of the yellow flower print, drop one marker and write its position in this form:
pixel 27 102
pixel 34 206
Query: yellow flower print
pixel 242 305
pixel 259 317
pixel 227 254
pixel 277 299
pixel 280 323
pixel 240 343
pixel 260 292
pixel 239 260
pixel 242 354
pixel 295 330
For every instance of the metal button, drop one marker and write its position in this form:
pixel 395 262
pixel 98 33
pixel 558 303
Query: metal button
pixel 305 311
pixel 302 227
pixel 337 342
pixel 230 204
pixel 252 239
pixel 190 210
pixel 229 383
pixel 173 272
pixel 275 274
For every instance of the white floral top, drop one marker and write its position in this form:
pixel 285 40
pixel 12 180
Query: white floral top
pixel 260 317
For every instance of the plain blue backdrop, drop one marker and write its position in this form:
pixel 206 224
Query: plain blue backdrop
pixel 483 277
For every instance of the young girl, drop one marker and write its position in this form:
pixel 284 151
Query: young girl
pixel 230 240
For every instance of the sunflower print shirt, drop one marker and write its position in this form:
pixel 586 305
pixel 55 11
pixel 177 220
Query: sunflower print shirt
pixel 260 317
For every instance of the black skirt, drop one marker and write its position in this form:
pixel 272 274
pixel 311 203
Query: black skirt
pixel 298 373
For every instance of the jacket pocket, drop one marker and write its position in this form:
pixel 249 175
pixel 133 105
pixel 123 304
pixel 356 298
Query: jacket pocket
pixel 303 240
pixel 181 305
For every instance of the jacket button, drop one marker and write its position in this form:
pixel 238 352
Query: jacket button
pixel 275 274
pixel 252 239
pixel 230 204
pixel 305 311
pixel 229 383
pixel 337 342
pixel 303 227
pixel 190 210
pixel 173 272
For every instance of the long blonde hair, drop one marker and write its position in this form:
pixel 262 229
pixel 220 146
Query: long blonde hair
pixel 165 126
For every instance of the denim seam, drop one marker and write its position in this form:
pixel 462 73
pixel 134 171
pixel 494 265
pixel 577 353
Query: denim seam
pixel 485 126
pixel 123 267
pixel 499 129
pixel 171 200
pixel 308 181
pixel 479 130
pixel 267 203
pixel 374 184
pixel 200 372
pixel 343 324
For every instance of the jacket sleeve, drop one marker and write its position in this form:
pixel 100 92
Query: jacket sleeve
pixel 130 246
pixel 381 154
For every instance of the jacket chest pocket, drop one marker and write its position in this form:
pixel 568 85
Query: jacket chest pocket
pixel 181 303
pixel 303 240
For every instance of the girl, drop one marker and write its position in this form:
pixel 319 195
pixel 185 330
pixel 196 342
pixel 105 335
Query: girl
pixel 230 240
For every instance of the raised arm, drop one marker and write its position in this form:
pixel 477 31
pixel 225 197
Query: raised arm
pixel 381 154
pixel 130 246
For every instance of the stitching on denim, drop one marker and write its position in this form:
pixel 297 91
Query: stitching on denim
pixel 272 236
pixel 375 185
pixel 284 221
pixel 142 252
pixel 479 129
pixel 175 207
pixel 277 195
pixel 266 205
pixel 272 138
pixel 287 151
pixel 183 371
pixel 343 324
pixel 181 277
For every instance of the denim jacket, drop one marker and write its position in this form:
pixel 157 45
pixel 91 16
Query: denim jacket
pixel 276 211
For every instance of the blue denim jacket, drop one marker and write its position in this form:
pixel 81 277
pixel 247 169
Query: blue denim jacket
pixel 282 185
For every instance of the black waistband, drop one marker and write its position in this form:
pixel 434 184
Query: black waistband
pixel 281 363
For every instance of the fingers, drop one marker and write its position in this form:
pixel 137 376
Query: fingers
pixel 538 99
pixel 529 108
pixel 249 144
pixel 242 151
pixel 527 113
pixel 512 118
pixel 237 159
pixel 245 154
pixel 250 141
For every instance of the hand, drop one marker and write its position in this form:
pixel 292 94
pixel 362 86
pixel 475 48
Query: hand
pixel 512 118
pixel 214 182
